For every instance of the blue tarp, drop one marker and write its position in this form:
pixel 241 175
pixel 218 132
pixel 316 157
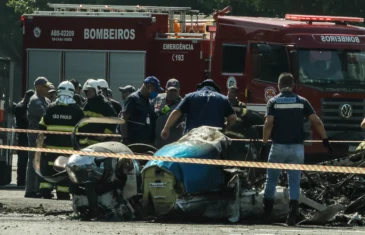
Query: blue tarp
pixel 197 178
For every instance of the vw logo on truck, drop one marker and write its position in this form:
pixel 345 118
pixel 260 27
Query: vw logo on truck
pixel 346 111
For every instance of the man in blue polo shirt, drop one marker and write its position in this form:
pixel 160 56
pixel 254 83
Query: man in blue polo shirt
pixel 285 124
pixel 139 113
pixel 204 107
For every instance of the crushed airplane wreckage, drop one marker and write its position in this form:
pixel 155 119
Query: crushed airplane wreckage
pixel 124 189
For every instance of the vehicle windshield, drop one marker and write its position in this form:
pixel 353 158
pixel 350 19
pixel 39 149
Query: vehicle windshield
pixel 331 66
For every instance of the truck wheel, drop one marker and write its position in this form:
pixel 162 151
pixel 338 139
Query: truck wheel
pixel 5 173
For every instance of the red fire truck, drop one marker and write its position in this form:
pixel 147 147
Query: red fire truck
pixel 124 44
pixel 325 54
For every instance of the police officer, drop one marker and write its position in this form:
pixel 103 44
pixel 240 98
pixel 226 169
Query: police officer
pixel 77 97
pixel 22 123
pixel 138 112
pixel 164 104
pixel 285 124
pixel 61 115
pixel 205 107
pixel 96 106
pixel 104 89
pixel 37 106
pixel 238 106
pixel 126 91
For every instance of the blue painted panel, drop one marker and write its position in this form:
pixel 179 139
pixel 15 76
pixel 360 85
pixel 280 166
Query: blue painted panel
pixel 197 178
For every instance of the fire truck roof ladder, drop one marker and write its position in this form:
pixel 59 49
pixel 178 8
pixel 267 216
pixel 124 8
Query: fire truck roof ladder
pixel 105 9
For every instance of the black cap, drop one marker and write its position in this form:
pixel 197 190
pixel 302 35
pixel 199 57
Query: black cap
pixel 42 81
pixel 127 88
pixel 208 82
pixel 29 93
pixel 173 84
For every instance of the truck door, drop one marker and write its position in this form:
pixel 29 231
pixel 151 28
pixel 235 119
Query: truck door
pixel 233 69
pixel 268 61
pixel 6 118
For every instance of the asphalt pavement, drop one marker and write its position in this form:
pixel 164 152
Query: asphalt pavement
pixel 19 215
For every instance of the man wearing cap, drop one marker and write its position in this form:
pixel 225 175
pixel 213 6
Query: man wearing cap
pixel 205 107
pixel 22 123
pixel 126 91
pixel 164 104
pixel 238 106
pixel 37 106
pixel 52 94
pixel 138 112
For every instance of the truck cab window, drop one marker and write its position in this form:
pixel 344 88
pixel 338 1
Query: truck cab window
pixel 269 61
pixel 233 58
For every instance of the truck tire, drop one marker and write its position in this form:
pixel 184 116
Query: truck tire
pixel 5 173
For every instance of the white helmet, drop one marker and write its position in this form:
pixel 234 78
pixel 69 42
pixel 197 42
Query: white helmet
pixel 66 88
pixel 91 83
pixel 103 83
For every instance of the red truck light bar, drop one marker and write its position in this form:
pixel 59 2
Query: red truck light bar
pixel 323 18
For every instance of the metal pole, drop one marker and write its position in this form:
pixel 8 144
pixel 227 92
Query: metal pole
pixel 210 54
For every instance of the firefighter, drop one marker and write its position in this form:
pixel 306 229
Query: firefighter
pixel 164 104
pixel 238 106
pixel 285 124
pixel 110 94
pixel 96 106
pixel 139 114
pixel 22 123
pixel 205 107
pixel 37 106
pixel 77 97
pixel 61 115
pixel 104 89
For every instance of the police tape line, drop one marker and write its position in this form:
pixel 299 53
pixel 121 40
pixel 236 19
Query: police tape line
pixel 117 135
pixel 318 168
pixel 56 132
pixel 306 141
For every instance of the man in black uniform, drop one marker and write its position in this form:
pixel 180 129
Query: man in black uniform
pixel 139 113
pixel 77 97
pixel 96 106
pixel 104 89
pixel 285 124
pixel 204 107
pixel 22 123
pixel 61 115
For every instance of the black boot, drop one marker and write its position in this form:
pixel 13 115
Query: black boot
pixel 292 216
pixel 268 206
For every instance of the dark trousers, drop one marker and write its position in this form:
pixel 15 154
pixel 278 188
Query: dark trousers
pixel 22 162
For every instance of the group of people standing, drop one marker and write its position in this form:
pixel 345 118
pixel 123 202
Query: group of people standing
pixel 157 117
